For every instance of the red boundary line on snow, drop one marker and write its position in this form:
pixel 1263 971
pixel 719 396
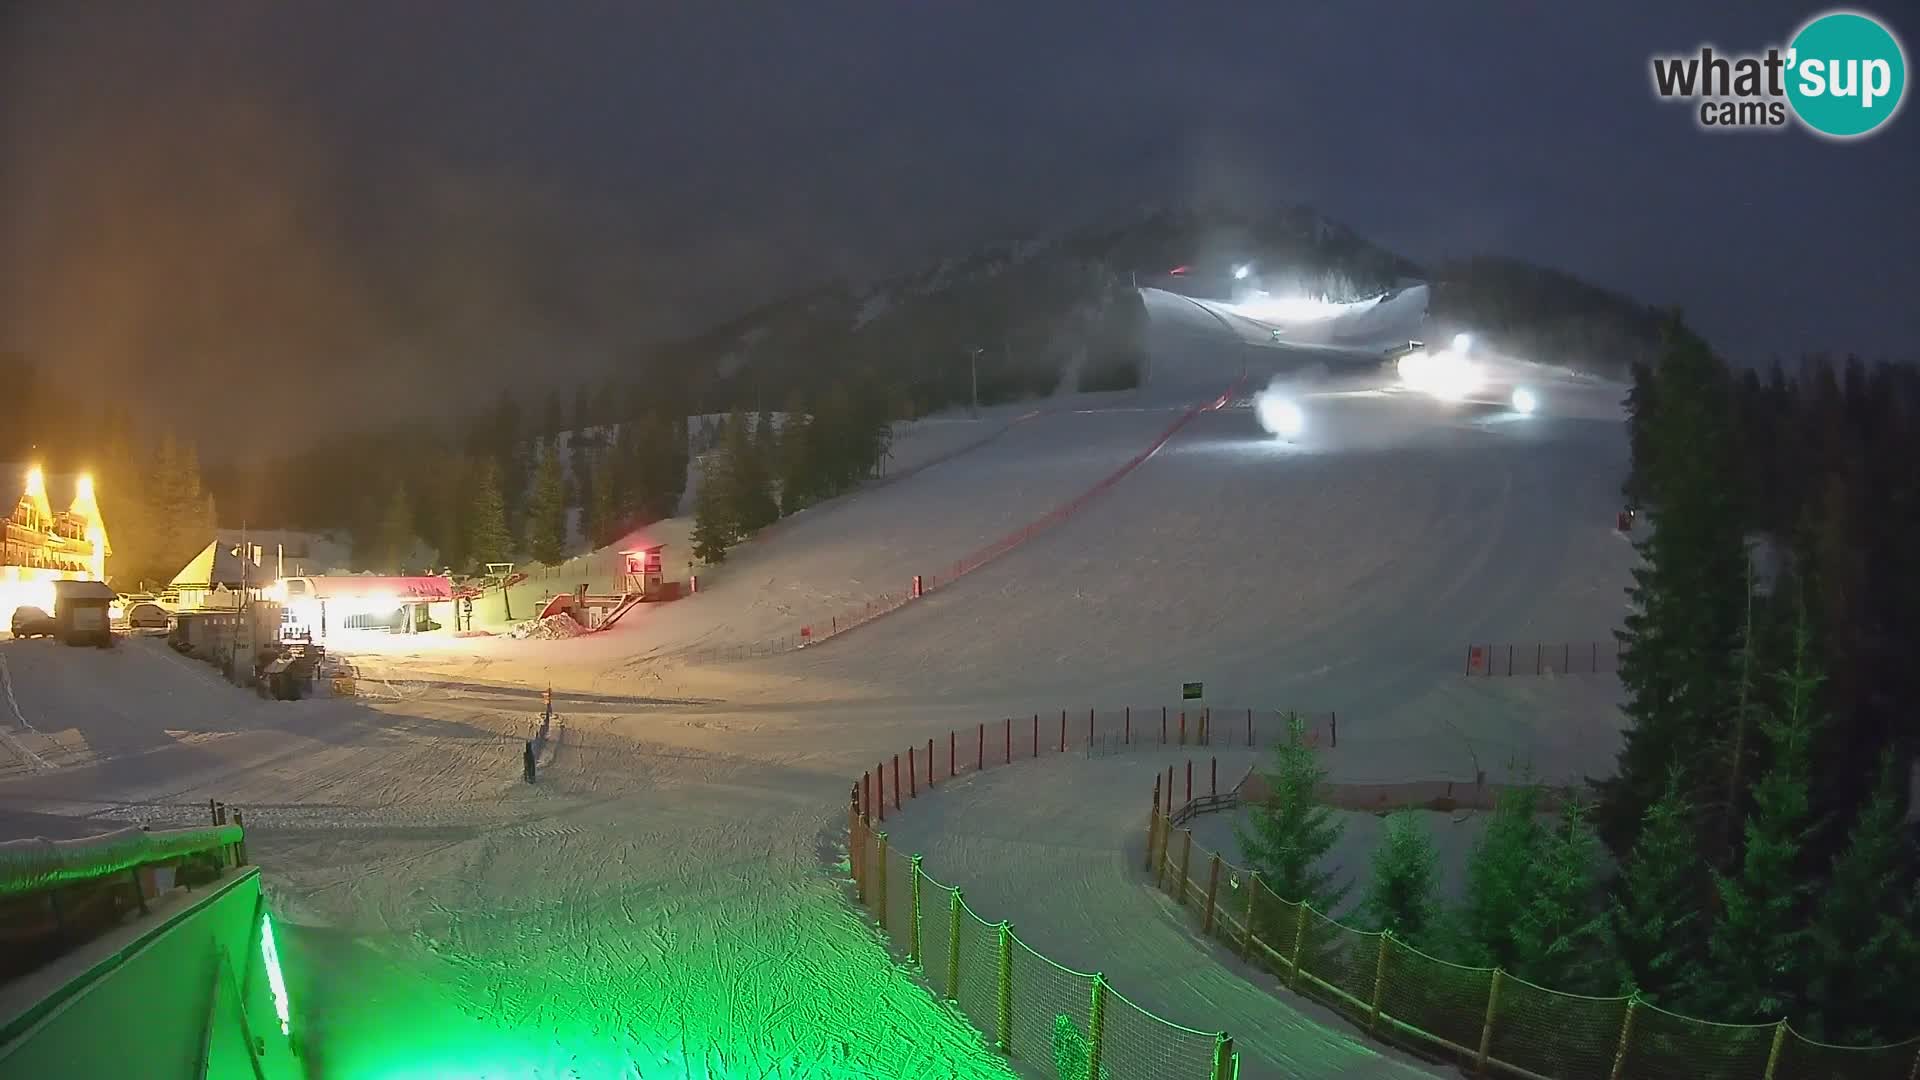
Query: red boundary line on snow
pixel 1015 539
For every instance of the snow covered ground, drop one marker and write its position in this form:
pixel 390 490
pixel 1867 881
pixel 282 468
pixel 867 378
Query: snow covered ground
pixel 668 900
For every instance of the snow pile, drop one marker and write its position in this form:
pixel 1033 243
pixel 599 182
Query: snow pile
pixel 552 627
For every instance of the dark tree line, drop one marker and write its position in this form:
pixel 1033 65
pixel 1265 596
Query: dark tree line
pixel 1759 792
pixel 762 470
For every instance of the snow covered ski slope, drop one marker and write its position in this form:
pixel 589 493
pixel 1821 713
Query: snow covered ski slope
pixel 668 899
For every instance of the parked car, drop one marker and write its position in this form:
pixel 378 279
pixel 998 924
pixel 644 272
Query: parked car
pixel 33 622
pixel 148 615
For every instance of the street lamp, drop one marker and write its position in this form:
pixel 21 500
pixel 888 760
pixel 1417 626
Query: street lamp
pixel 1240 272
pixel 973 373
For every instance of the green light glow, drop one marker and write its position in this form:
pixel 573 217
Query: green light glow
pixel 275 979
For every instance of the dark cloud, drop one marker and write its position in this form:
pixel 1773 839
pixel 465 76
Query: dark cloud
pixel 354 200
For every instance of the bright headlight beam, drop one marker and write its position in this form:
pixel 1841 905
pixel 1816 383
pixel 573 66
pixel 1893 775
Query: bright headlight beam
pixel 1462 342
pixel 1523 401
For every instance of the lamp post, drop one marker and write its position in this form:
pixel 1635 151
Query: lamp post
pixel 973 374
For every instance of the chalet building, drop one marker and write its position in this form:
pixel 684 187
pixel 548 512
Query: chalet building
pixel 43 545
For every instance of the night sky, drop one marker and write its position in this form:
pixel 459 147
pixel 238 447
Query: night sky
pixel 417 197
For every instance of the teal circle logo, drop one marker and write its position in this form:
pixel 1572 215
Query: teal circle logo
pixel 1846 74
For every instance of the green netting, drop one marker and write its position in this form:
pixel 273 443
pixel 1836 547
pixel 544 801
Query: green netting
pixel 1432 996
pixel 1558 1035
pixel 980 972
pixel 1541 1031
pixel 899 897
pixel 1276 923
pixel 1804 1059
pixel 1042 992
pixel 1668 1044
pixel 1341 958
pixel 936 923
pixel 1137 1045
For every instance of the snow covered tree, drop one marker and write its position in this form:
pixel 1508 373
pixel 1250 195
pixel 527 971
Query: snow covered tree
pixel 1400 891
pixel 1289 835
pixel 1757 950
pixel 1561 938
pixel 1658 926
pixel 547 510
pixel 1683 632
pixel 1500 876
pixel 1867 920
pixel 488 538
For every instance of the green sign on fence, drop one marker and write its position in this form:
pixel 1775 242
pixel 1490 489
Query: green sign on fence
pixel 1189 691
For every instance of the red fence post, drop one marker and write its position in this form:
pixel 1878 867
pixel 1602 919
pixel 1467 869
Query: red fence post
pixel 1594 665
pixel 1566 653
pixel 913 783
pixel 866 795
pixel 1189 779
pixel 1183 727
pixel 1249 727
pixel 1509 661
pixel 1009 740
pixel 1169 789
pixel 953 760
pixel 896 781
pixel 1539 656
pixel 880 786
pixel 1089 729
pixel 1213 784
pixel 1127 731
pixel 981 761
pixel 929 762
pixel 1469 659
pixel 1333 723
pixel 1063 731
pixel 1036 734
pixel 1163 725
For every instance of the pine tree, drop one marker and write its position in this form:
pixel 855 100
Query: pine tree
pixel 1561 939
pixel 713 526
pixel 1400 891
pixel 748 490
pixel 547 511
pixel 488 539
pixel 396 531
pixel 797 458
pixel 1757 949
pixel 1293 832
pixel 1682 634
pixel 1500 875
pixel 1658 926
pixel 1867 921
pixel 604 515
pixel 580 466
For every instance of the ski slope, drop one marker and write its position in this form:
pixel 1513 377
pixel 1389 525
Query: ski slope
pixel 669 899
